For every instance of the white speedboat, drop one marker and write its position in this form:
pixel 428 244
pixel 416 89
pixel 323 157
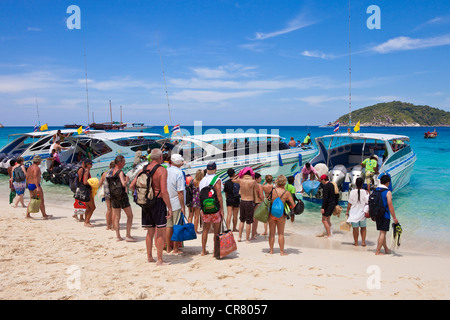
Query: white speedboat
pixel 340 157
pixel 107 145
pixel 264 153
pixel 28 145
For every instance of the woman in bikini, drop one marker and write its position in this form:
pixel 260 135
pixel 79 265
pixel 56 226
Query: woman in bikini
pixel 277 224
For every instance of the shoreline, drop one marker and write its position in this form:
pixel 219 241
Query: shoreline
pixel 62 259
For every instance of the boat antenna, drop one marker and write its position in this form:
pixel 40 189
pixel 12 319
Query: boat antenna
pixel 164 76
pixel 349 69
pixel 85 76
pixel 37 108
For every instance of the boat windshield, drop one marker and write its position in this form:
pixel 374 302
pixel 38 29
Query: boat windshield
pixel 99 147
pixel 228 147
pixel 144 142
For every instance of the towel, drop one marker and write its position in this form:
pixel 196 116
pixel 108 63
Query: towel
pixel 93 182
pixel 245 170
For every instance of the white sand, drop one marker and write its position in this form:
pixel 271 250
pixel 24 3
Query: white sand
pixel 62 259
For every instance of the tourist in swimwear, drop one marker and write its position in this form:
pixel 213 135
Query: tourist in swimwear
pixel 233 198
pixel 259 197
pixel 248 188
pixel 34 185
pixel 102 182
pixel 154 220
pixel 19 187
pixel 84 175
pixel 276 225
pixel 120 201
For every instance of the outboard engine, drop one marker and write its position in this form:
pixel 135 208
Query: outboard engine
pixel 321 169
pixel 356 173
pixel 338 173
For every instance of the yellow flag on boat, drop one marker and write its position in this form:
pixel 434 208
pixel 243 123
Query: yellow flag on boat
pixel 356 128
pixel 80 130
pixel 44 127
pixel 166 128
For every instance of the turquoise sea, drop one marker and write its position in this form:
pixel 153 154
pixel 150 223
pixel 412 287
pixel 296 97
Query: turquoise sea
pixel 422 207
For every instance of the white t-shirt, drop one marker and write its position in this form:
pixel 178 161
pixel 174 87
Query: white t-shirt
pixel 356 212
pixel 207 180
pixel 175 183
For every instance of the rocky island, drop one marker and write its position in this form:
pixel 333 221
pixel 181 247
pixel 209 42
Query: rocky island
pixel 397 114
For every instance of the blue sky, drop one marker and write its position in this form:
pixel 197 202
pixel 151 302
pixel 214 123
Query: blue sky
pixel 265 62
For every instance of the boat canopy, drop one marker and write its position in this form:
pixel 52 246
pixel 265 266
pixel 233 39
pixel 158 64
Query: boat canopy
pixel 362 136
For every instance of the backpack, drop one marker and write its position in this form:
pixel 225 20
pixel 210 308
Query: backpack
pixel 376 205
pixel 18 174
pixel 73 179
pixel 145 196
pixel 115 186
pixel 277 208
pixel 189 193
pixel 208 198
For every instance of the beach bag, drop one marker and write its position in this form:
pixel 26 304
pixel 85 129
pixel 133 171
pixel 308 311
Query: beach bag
pixel 299 207
pixel 35 204
pixel 376 205
pixel 183 231
pixel 225 243
pixel 208 198
pixel 262 211
pixel 83 193
pixel 345 226
pixel 18 174
pixel 337 211
pixel 145 196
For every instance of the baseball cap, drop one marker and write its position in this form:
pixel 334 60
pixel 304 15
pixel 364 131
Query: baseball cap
pixel 211 166
pixel 324 177
pixel 177 158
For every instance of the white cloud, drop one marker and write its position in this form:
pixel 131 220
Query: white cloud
pixel 298 23
pixel 212 96
pixel 315 54
pixel 231 70
pixel 407 43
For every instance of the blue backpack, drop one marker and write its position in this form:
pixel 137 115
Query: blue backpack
pixel 277 209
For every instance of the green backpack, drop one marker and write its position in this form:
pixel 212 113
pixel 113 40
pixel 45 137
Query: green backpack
pixel 208 198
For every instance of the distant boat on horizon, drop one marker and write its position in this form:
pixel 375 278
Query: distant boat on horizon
pixel 72 126
pixel 135 126
pixel 107 126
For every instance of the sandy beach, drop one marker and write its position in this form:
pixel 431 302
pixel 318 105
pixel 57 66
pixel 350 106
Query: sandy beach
pixel 60 259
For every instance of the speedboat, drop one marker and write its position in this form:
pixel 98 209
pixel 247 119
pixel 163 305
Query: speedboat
pixel 430 135
pixel 28 145
pixel 264 153
pixel 340 157
pixel 106 146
